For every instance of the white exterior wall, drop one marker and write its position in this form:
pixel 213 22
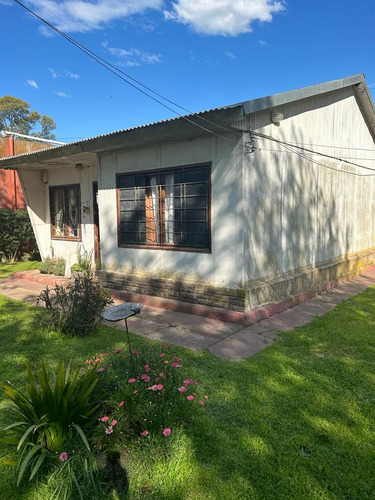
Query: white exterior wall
pixel 300 214
pixel 37 199
pixel 224 265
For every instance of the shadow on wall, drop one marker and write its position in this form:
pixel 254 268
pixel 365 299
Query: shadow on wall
pixel 304 211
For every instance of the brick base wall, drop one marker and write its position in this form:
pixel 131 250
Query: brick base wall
pixel 232 299
pixel 297 286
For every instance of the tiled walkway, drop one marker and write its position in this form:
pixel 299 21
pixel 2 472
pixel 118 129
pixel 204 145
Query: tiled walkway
pixel 226 340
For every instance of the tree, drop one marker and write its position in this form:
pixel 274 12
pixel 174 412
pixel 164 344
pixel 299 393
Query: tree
pixel 16 116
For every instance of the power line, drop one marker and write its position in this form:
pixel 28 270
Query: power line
pixel 137 84
pixel 290 145
pixel 126 78
pixel 331 147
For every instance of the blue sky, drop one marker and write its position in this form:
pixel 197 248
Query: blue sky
pixel 200 54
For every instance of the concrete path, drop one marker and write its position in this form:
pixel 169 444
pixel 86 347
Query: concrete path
pixel 225 340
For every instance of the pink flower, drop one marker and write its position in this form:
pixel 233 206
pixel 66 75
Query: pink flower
pixel 63 456
pixel 135 392
pixel 132 380
pixel 157 379
pixel 137 352
pixel 153 388
pixel 205 397
pixel 175 365
pixel 147 368
pixel 113 423
pixel 117 351
pixel 88 361
pixel 99 370
pixel 145 377
pixel 177 358
pixel 161 374
pixel 190 398
pixel 160 387
pixel 166 431
pixel 187 381
pixel 201 402
pixel 162 355
pixel 121 403
pixel 104 419
pixel 103 354
pixel 109 430
pixel 182 389
pixel 144 433
pixel 196 383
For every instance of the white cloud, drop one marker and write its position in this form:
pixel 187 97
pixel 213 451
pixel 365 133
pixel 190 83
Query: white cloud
pixel 32 83
pixel 223 17
pixel 53 72
pixel 61 94
pixel 229 55
pixel 66 74
pixel 134 57
pixel 82 16
pixel 69 74
pixel 263 42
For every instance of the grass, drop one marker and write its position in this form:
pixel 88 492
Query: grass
pixel 296 421
pixel 8 268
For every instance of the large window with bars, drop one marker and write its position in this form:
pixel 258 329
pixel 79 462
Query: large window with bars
pixel 65 211
pixel 169 208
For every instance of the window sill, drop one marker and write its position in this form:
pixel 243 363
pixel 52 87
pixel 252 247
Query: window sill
pixel 168 248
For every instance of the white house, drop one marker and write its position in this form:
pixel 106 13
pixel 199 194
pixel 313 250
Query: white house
pixel 270 200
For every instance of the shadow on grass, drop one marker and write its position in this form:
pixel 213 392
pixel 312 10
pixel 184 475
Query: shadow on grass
pixel 295 421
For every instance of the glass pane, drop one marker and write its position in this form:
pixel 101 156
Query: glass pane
pixel 59 208
pixel 169 208
pixel 73 212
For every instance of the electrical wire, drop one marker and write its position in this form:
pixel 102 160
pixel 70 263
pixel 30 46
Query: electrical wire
pixel 137 84
pixel 126 78
pixel 284 143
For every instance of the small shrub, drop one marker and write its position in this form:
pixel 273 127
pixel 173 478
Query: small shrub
pixel 16 234
pixel 53 266
pixel 76 309
pixel 59 267
pixel 44 420
pixel 84 262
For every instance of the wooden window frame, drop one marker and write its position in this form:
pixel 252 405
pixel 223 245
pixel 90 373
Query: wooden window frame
pixel 160 174
pixel 52 193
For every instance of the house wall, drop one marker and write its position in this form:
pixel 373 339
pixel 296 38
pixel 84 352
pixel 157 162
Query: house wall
pixel 308 221
pixel 223 266
pixel 37 198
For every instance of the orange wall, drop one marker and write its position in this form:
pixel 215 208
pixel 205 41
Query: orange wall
pixel 11 195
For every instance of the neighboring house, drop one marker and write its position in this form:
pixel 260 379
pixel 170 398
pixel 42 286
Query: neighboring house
pixel 223 207
pixel 11 195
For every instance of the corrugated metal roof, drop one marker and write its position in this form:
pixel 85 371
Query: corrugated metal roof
pixel 101 142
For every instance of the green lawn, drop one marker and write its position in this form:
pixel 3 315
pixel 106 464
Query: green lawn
pixel 7 269
pixel 296 421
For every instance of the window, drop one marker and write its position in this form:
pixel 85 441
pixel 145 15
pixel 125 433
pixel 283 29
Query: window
pixel 65 211
pixel 167 208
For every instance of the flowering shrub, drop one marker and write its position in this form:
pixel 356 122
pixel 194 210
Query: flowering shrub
pixel 153 401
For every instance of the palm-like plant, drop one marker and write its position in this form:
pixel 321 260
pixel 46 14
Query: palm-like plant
pixel 45 417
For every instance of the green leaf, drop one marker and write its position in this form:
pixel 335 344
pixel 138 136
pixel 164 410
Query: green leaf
pixel 27 460
pixel 12 463
pixel 82 434
pixel 32 428
pixel 37 465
